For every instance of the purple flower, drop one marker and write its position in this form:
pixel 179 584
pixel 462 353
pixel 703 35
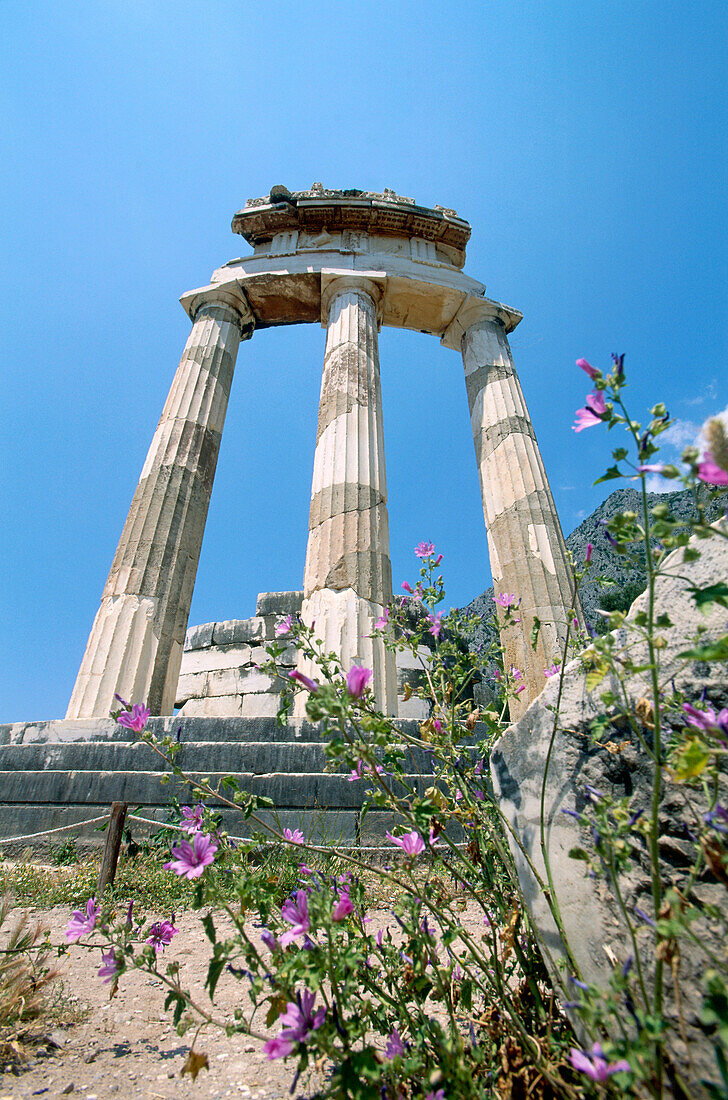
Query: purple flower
pixel 191 859
pixel 122 701
pixel 644 917
pixel 357 679
pixel 439 1095
pixel 296 913
pixel 269 939
pixel 708 720
pixel 305 681
pixel 618 361
pixel 589 549
pixel 435 622
pixel 437 561
pixel 424 549
pixel 585 418
pixel 137 720
pixel 596 1067
pixel 395 1046
pixel 79 924
pixel 343 907
pixel 408 588
pixel 716 817
pixel 590 370
pixel 300 1020
pixel 651 468
pixel 711 472
pixel 552 670
pixel 412 843
pixel 192 818
pixel 295 837
pixel 110 967
pixel 363 769
pixel 383 619
pixel 504 600
pixel 285 626
pixel 161 934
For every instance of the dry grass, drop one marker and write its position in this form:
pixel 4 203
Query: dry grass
pixel 25 976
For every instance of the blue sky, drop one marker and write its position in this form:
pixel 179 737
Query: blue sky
pixel 585 144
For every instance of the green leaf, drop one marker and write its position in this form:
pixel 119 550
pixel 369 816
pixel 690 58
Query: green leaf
pixel 214 970
pixel 208 925
pixel 691 760
pixel 578 853
pixel 535 630
pixel 712 593
pixel 619 454
pixel 610 475
pixel 713 651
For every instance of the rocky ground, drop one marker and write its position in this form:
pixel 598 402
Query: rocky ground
pixel 127 1046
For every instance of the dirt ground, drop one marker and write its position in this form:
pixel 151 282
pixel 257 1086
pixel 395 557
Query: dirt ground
pixel 128 1047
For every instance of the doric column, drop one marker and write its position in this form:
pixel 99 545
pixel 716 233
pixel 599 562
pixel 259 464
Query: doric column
pixel 528 556
pixel 135 646
pixel 348 574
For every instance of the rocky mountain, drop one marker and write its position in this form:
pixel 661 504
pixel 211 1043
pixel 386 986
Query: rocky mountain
pixel 629 577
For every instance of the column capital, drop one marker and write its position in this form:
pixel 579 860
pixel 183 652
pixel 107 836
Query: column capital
pixel 371 283
pixel 228 296
pixel 473 311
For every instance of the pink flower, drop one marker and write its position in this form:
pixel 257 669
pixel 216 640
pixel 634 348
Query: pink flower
pixel 711 472
pixel 412 843
pixel 589 550
pixel 343 907
pixel 395 1046
pixel 439 1095
pixel 596 406
pixel 552 670
pixel 383 619
pixel 504 600
pixel 363 769
pixel 79 924
pixel 437 724
pixel 357 679
pixel 161 935
pixel 300 1021
pixel 296 837
pixel 596 1067
pixel 424 549
pixel 192 818
pixel 651 468
pixel 296 913
pixel 435 622
pixel 137 720
pixel 305 681
pixel 285 626
pixel 590 370
pixel 191 859
pixel 708 720
pixel 407 587
pixel 110 967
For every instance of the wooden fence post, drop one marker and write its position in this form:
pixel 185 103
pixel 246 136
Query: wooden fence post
pixel 110 857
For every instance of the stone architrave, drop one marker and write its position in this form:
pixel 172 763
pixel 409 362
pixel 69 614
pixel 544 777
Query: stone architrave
pixel 135 645
pixel 348 573
pixel 528 555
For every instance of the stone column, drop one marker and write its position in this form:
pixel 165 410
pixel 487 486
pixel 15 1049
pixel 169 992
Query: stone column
pixel 528 555
pixel 135 646
pixel 348 574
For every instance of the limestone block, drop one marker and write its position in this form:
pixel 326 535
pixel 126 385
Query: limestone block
pixel 279 603
pixel 239 630
pixel 261 705
pixel 193 686
pixel 238 681
pixel 199 637
pixel 413 708
pixel 215 706
pixel 217 657
pixel 592 919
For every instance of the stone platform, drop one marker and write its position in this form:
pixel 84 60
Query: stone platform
pixel 59 772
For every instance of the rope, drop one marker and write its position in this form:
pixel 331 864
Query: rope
pixel 60 829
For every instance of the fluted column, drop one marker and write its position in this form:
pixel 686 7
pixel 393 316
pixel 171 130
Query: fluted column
pixel 348 574
pixel 135 646
pixel 528 555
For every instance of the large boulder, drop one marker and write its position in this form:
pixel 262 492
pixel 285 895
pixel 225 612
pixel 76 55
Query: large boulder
pixel 595 927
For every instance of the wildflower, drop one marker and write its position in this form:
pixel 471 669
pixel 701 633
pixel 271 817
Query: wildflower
pixel 643 917
pixel 395 1046
pixel 715 817
pixel 380 937
pixel 295 837
pixel 285 626
pixel 596 1067
pixel 504 600
pixel 296 913
pixel 161 934
pixel 708 720
pixel 191 859
pixel 382 621
pixel 651 468
pixel 357 679
pixel 435 622
pixel 437 560
pixel 589 549
pixel 590 370
pixel 137 720
pixel 269 939
pixel 552 670
pixel 343 907
pixel 711 472
pixel 192 818
pixel 122 701
pixel 110 967
pixel 300 1020
pixel 79 924
pixel 411 843
pixel 363 769
pixel 593 412
pixel 408 588
pixel 618 361
pixel 439 1095
pixel 305 681
pixel 572 813
pixel 424 549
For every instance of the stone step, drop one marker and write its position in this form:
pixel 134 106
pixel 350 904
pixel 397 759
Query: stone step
pixel 256 757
